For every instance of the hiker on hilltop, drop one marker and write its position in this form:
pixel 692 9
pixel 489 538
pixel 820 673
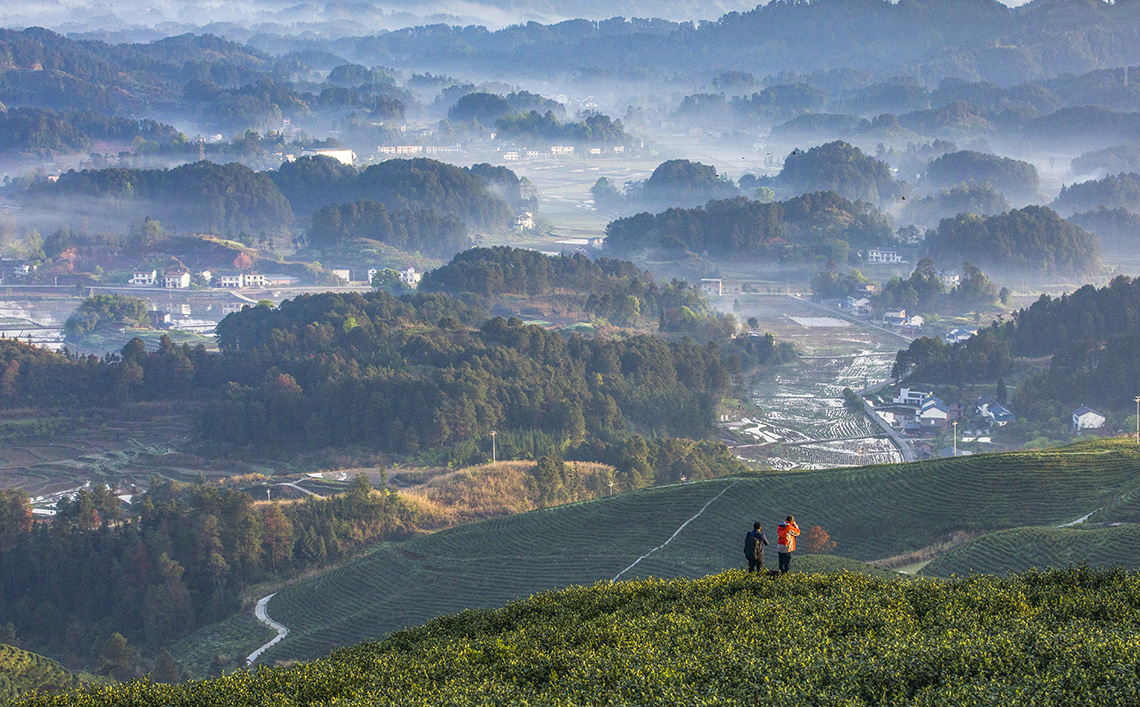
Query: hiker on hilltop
pixel 754 543
pixel 786 533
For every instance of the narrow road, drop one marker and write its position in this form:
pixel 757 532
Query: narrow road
pixel 262 615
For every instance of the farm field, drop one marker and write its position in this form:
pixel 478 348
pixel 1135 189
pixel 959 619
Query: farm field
pixel 1019 549
pixel 22 672
pixel 1064 637
pixel 804 421
pixel 690 530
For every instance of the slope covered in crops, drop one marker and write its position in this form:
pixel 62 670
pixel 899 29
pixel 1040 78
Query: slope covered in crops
pixel 1019 549
pixel 1063 637
pixel 23 672
pixel 691 530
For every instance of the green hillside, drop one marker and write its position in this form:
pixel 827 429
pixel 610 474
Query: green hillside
pixel 22 672
pixel 1022 548
pixel 1060 638
pixel 872 512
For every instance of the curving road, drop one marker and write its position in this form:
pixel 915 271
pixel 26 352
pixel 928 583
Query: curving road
pixel 262 615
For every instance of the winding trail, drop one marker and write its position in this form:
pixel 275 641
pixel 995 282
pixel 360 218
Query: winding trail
pixel 1078 521
pixel 675 532
pixel 262 615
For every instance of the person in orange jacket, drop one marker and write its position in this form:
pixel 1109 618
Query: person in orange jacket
pixel 786 533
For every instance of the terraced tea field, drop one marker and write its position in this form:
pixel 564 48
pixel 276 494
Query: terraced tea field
pixel 694 529
pixel 1022 548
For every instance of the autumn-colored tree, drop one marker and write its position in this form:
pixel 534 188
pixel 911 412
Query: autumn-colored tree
pixel 817 540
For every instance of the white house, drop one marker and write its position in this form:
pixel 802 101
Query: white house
pixel 176 279
pixel 234 281
pixel 525 221
pixel 253 279
pixel 344 274
pixel 998 414
pixel 713 287
pixel 916 321
pixel 144 277
pixel 914 397
pixel 1085 418
pixel 883 255
pixel 410 277
pixel 280 280
pixel 959 334
pixel 934 413
pixel 895 316
pixel 511 155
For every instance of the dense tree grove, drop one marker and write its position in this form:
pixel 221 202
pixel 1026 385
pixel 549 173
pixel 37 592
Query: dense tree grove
pixel 594 129
pixel 842 168
pixel 1113 191
pixel 1091 335
pixel 202 196
pixel 25 128
pixel 966 198
pixel 336 226
pixel 1030 240
pixel 684 183
pixel 179 557
pixel 743 228
pixel 1013 177
pixel 1117 230
pixel 412 185
pixel 103 309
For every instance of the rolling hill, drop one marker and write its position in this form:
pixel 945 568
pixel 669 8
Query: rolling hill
pixel 690 530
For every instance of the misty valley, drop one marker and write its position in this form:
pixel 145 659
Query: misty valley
pixel 436 353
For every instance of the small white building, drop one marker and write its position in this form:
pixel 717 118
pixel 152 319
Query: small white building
pixel 176 279
pixel 959 334
pixel 916 321
pixel 206 275
pixel 883 255
pixel 233 281
pixel 934 413
pixel 713 287
pixel 253 279
pixel 144 277
pixel 410 277
pixel 1085 418
pixel 915 397
pixel 343 274
pixel 511 155
pixel 525 221
pixel 896 317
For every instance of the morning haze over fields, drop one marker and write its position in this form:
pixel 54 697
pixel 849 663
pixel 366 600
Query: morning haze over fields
pixel 444 353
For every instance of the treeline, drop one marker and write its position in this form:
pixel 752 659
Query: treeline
pixel 966 198
pixel 232 199
pixel 42 129
pixel 1112 191
pixel 415 185
pixel 1030 240
pixel 1013 177
pixel 179 557
pixel 593 129
pixel 485 108
pixel 203 196
pixel 804 225
pixel 841 168
pixel 336 226
pixel 1117 230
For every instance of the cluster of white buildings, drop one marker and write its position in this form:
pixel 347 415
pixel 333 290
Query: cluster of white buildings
pixel 560 151
pixel 171 278
pixel 408 276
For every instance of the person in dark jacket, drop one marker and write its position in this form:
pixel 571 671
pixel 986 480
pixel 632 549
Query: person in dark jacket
pixel 754 543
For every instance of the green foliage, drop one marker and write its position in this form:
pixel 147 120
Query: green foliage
pixel 1031 240
pixel 1014 177
pixel 684 183
pixel 863 640
pixel 1021 549
pixel 1112 192
pixel 737 227
pixel 1117 230
pixel 966 198
pixel 335 227
pixel 842 168
pixel 1110 160
pixel 102 310
pixel 27 128
pixel 594 129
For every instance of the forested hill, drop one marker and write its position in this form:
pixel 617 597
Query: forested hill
pixel 742 227
pixel 979 39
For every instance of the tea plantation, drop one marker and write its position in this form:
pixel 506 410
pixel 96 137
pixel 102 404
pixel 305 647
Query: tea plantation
pixel 21 672
pixel 1066 637
pixel 872 512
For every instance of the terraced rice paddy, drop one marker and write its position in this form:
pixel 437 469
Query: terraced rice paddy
pixel 804 422
pixel 873 513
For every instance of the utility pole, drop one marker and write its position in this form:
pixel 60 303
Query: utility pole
pixel 955 423
pixel 1137 419
pixel 494 451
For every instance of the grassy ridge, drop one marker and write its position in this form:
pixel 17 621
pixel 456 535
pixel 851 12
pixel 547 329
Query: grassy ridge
pixel 1022 548
pixel 1064 637
pixel 872 512
pixel 23 672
